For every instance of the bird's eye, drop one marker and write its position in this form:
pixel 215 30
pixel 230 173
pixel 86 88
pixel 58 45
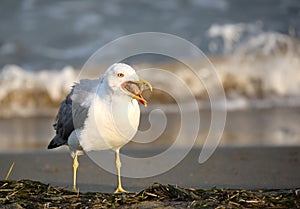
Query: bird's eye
pixel 120 75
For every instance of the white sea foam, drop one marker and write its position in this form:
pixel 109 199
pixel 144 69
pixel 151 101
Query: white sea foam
pixel 24 93
pixel 232 34
pixel 258 64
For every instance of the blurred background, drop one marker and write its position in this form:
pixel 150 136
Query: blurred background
pixel 254 46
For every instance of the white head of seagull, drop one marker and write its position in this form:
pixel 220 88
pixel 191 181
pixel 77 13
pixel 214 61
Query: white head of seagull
pixel 101 114
pixel 121 78
pixel 118 73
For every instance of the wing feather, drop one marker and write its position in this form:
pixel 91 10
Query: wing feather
pixel 73 111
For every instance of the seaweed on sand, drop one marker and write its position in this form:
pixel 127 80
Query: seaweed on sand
pixel 33 194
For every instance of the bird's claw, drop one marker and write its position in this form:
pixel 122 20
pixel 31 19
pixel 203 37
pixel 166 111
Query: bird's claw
pixel 75 189
pixel 120 190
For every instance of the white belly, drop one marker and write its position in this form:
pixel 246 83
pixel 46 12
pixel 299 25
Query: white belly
pixel 110 124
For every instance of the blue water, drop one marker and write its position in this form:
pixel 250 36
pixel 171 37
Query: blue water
pixel 52 34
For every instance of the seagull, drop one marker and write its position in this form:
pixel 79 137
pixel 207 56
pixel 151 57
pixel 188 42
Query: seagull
pixel 101 114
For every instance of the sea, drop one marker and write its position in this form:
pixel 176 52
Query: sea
pixel 254 46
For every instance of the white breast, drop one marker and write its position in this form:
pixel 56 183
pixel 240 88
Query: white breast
pixel 112 122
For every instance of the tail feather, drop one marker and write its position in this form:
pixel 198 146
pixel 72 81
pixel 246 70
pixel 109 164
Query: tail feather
pixel 57 141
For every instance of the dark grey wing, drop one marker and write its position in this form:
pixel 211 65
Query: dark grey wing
pixel 73 111
pixel 64 123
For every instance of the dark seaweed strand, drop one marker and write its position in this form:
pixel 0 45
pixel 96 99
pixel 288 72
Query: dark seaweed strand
pixel 33 194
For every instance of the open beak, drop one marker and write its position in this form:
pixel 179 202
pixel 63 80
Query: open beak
pixel 135 89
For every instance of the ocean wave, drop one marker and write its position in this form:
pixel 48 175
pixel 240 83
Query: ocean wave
pixel 24 93
pixel 259 64
pixel 257 70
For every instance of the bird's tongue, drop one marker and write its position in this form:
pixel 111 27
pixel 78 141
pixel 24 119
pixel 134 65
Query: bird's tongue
pixel 136 89
pixel 141 100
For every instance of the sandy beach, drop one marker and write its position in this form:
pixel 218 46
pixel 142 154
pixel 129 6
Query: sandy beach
pixel 238 168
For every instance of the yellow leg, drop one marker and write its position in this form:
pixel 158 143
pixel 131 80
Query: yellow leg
pixel 118 165
pixel 75 166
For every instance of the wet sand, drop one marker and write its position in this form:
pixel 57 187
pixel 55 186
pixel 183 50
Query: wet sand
pixel 253 127
pixel 245 168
